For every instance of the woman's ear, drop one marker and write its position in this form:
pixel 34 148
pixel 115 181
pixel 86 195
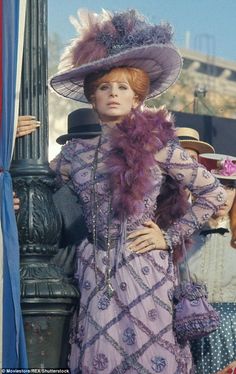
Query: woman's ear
pixel 136 102
pixel 92 101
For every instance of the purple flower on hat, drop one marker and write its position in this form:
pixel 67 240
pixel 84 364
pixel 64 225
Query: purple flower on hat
pixel 228 168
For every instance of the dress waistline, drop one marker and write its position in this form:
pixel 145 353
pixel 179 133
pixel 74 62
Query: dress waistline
pixel 101 242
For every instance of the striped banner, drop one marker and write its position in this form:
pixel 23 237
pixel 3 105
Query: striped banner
pixel 12 341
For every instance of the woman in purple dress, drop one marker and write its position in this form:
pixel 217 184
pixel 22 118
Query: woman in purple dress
pixel 129 181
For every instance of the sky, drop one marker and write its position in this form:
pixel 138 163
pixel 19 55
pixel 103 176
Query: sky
pixel 207 26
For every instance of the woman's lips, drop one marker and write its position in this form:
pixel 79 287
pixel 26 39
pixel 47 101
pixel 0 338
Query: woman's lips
pixel 113 103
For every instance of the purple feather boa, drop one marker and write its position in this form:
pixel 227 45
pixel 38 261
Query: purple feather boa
pixel 134 143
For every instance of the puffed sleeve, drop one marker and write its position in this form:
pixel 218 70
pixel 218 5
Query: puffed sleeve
pixel 62 163
pixel 206 189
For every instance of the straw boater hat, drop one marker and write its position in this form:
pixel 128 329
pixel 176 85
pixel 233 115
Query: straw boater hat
pixel 189 138
pixel 221 166
pixel 82 123
pixel 108 40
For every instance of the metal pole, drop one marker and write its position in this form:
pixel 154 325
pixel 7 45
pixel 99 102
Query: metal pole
pixel 48 297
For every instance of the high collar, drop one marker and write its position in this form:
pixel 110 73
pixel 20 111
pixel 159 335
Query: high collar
pixel 108 128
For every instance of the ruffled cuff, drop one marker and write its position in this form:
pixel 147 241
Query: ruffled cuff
pixel 167 240
pixel 173 236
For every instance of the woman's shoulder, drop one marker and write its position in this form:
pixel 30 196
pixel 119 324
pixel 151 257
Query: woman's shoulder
pixel 75 146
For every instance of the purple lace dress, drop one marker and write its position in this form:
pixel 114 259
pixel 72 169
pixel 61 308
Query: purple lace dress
pixel 130 331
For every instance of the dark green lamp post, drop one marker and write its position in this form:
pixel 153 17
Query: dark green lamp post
pixel 48 296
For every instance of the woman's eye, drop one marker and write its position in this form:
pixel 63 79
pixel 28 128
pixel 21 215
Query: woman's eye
pixel 103 87
pixel 123 87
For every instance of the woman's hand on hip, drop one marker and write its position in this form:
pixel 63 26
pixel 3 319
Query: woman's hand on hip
pixel 147 239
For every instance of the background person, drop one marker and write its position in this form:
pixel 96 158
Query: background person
pixel 83 123
pixel 190 140
pixel 211 260
pixel 208 358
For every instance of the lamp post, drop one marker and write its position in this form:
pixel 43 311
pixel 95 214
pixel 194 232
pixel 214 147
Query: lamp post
pixel 48 296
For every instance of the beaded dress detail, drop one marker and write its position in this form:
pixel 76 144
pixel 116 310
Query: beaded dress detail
pixel 129 331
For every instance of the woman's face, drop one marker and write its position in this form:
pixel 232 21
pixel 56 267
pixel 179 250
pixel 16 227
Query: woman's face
pixel 113 100
pixel 224 210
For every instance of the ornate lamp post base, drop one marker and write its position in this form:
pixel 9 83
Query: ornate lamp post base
pixel 46 324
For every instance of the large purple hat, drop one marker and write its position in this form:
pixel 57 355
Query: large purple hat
pixel 121 39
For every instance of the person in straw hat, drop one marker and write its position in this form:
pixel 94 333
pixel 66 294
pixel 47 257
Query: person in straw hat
pixel 211 260
pixel 211 249
pixel 190 140
pixel 125 270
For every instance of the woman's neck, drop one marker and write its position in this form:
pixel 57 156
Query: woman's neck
pixel 110 120
pixel 108 123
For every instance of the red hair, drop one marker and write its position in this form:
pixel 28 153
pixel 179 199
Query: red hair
pixel 138 80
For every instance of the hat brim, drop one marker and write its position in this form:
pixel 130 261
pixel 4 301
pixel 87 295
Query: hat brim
pixel 225 177
pixel 162 62
pixel 198 146
pixel 85 135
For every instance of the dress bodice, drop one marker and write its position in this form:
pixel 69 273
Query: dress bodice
pixel 76 162
pixel 79 155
